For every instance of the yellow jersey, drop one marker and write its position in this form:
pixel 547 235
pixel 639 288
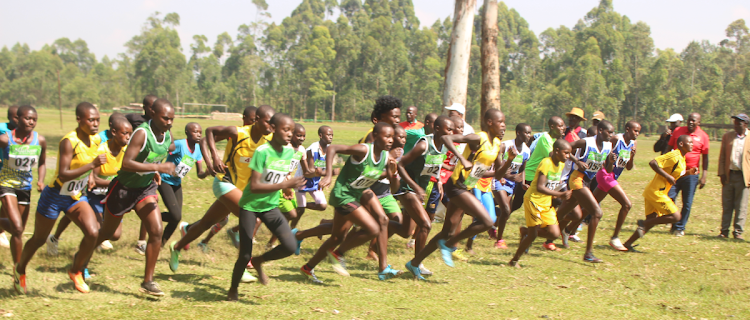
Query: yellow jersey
pixel 554 182
pixel 674 164
pixel 82 155
pixel 364 139
pixel 237 157
pixel 483 159
pixel 108 171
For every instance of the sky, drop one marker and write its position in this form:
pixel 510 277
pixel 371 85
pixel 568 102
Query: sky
pixel 107 25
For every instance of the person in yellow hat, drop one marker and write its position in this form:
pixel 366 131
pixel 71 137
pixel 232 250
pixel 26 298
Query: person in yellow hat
pixel 595 119
pixel 575 131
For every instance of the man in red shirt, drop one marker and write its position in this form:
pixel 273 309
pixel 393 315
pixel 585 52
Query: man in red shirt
pixel 414 129
pixel 688 182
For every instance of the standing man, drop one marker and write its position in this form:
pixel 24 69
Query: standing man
pixel 595 119
pixel 574 130
pixel 734 172
pixel 689 181
pixel 459 110
pixel 662 145
pixel 414 129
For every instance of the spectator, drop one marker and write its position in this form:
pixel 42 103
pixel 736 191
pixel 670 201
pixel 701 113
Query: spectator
pixel 459 110
pixel 662 145
pixel 574 130
pixel 414 128
pixel 595 119
pixel 734 172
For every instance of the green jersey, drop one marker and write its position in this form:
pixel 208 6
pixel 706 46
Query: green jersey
pixel 274 167
pixel 356 177
pixel 152 152
pixel 426 166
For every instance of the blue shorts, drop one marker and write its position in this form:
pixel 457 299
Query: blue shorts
pixel 434 199
pixel 508 186
pixel 95 201
pixel 51 203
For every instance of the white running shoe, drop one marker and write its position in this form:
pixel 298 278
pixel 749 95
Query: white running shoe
pixel 106 245
pixel 4 240
pixel 617 244
pixel 574 238
pixel 410 244
pixel 424 271
pixel 51 245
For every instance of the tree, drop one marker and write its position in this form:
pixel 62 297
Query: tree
pixel 459 51
pixel 490 67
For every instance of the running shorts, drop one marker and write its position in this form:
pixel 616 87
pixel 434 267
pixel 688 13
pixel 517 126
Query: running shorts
pixel 121 200
pixel 51 203
pixel 221 188
pixel 537 215
pixel 24 196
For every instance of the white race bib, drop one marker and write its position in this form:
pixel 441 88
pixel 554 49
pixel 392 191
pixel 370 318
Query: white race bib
pixel 276 170
pixel 74 187
pixel 367 178
pixel 186 164
pixel 432 165
pixel 476 173
pixel 23 157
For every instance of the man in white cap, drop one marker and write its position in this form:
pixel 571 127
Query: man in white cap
pixel 459 110
pixel 662 145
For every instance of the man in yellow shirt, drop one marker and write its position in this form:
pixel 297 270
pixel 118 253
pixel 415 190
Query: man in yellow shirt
pixel 660 209
pixel 541 217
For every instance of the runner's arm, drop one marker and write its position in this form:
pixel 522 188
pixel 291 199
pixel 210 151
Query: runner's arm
pixel 541 186
pixel 472 140
pixel 408 158
pixel 98 182
pixel 358 151
pixel 129 163
pixel 42 165
pixel 66 155
pixel 213 134
pixel 655 166
pixel 199 170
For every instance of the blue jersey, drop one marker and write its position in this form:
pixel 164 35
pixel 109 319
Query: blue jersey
pixel 104 135
pixel 523 155
pixel 3 130
pixel 184 160
pixel 623 152
pixel 319 161
pixel 592 156
pixel 20 160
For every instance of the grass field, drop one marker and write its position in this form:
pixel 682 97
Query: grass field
pixel 693 277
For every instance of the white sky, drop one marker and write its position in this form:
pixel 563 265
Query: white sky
pixel 107 25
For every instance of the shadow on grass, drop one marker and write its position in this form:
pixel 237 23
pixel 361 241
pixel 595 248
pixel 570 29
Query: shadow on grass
pixel 10 292
pixel 192 279
pixel 295 276
pixel 203 295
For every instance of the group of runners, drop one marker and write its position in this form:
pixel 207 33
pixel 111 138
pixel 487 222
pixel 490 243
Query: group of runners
pixel 394 181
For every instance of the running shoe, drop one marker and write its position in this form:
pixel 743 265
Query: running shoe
pixel 310 274
pixel 415 271
pixel 338 263
pixel 388 273
pixel 679 233
pixel 513 263
pixel 106 245
pixel 589 257
pixel 446 253
pixel 151 288
pixel 4 240
pixel 616 244
pixel 410 244
pixel 500 244
pixel 140 248
pixel 247 277
pixel 299 242
pixel 204 247
pixel 565 236
pixel 631 248
pixel 78 281
pixel 270 246
pixel 641 230
pixel 458 254
pixel 492 233
pixel 183 231
pixel 549 246
pixel 424 270
pixel 51 245
pixel 174 257
pixel 86 274
pixel 235 237
pixel 575 238
pixel 19 281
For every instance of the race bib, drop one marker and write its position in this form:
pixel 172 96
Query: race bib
pixel 151 159
pixel 367 178
pixel 320 163
pixel 554 180
pixel 275 171
pixel 432 165
pixel 623 158
pixel 186 164
pixel 516 164
pixel 102 190
pixel 23 157
pixel 476 173
pixel 296 158
pixel 74 187
pixel 595 161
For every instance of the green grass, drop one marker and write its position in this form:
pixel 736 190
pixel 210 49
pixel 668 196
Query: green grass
pixel 696 276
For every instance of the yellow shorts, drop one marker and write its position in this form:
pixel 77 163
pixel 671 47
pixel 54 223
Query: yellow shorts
pixel 663 206
pixel 537 215
pixel 577 180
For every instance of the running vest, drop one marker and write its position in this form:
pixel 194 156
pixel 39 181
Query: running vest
pixel 319 161
pixel 19 161
pixel 623 152
pixel 82 155
pixel 592 156
pixel 483 159
pixel 152 151
pixel 523 155
pixel 237 157
pixel 428 165
pixel 108 171
pixel 355 177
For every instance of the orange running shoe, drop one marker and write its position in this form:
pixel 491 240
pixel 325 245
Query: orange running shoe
pixel 78 281
pixel 19 281
pixel 550 246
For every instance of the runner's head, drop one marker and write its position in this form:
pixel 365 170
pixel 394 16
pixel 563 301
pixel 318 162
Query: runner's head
pixel 411 114
pixel 523 132
pixel 382 136
pixel 162 114
pixel 495 122
pixel 326 135
pixel 443 126
pixel 632 130
pixel 300 134
pixel 556 127
pixel 685 144
pixel 283 128
pixel 388 109
pixel 399 136
pixel 248 116
pixel 88 118
pixel 148 104
pixel 27 118
pixel 458 124
pixel 429 121
pixel 263 119
pixel 502 131
pixel 12 117
pixel 560 150
pixel 112 117
pixel 193 132
pixel 373 118
pixel 120 129
pixel 605 130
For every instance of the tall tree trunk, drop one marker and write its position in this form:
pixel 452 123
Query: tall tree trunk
pixel 315 112
pixel 457 64
pixel 490 63
pixel 333 105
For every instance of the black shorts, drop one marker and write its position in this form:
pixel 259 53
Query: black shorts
pixel 452 190
pixel 120 199
pixel 434 199
pixel 24 196
pixel 347 208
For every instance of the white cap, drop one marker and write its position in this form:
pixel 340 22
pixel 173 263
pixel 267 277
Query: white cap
pixel 675 117
pixel 457 107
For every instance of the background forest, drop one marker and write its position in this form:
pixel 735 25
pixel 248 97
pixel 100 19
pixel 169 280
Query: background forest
pixel 330 59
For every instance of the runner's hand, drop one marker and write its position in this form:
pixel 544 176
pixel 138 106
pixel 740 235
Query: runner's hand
pixel 157 179
pixel 566 195
pixel 288 193
pixel 296 182
pixel 167 167
pixel 99 160
pixel 39 186
pixel 324 182
pixel 219 166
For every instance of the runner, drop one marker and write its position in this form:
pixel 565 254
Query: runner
pixel 541 218
pixel 22 150
pixel 76 157
pixel 387 109
pixel 660 209
pixel 136 120
pixel 504 188
pixel 186 155
pixel 316 159
pixel 367 164
pixel 135 186
pixel 5 127
pixel 270 165
pixel 486 147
